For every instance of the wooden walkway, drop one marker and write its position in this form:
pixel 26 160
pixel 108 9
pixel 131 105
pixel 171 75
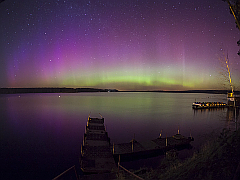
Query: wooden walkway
pixel 96 155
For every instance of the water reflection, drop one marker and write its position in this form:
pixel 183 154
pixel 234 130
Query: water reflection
pixel 45 130
pixel 206 110
pixel 232 117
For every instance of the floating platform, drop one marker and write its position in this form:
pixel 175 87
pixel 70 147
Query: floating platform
pixel 206 105
pixel 138 150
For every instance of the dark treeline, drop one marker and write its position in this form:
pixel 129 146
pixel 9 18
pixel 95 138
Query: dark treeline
pixel 193 91
pixel 207 91
pixel 51 90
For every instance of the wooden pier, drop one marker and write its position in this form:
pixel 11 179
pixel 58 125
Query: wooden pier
pixel 99 156
pixel 96 155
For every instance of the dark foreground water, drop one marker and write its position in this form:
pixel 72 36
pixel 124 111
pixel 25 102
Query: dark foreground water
pixel 41 134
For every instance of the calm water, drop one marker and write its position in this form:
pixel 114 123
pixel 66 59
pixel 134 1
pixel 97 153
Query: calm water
pixel 41 134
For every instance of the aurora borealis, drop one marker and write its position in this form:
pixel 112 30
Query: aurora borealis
pixel 126 45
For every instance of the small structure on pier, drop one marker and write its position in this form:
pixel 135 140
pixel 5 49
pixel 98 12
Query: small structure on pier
pixel 233 100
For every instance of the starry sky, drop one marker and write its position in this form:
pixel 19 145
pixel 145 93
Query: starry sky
pixel 121 44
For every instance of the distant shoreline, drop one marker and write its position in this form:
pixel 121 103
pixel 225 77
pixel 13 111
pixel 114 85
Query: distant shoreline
pixel 52 90
pixel 192 91
pixel 79 90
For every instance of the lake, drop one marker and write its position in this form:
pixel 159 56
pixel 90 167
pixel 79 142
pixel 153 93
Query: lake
pixel 41 134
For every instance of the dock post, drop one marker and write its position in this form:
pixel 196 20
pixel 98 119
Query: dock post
pixel 113 148
pixel 81 149
pixel 166 139
pixel 160 135
pixel 132 145
pixel 118 164
pixel 133 142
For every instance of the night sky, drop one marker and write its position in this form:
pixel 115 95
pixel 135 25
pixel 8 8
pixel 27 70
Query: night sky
pixel 122 44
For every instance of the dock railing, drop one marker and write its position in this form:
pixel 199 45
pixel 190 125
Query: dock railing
pixel 60 175
pixel 119 166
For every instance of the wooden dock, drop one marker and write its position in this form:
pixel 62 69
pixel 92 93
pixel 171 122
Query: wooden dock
pixel 99 156
pixel 96 155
